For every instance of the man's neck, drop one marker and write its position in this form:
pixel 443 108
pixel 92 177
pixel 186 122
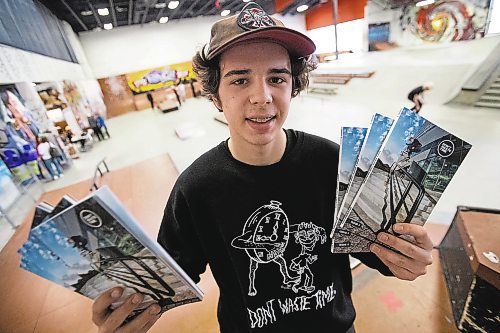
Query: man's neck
pixel 259 155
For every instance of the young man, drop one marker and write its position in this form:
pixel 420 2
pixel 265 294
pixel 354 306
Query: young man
pixel 259 206
pixel 417 96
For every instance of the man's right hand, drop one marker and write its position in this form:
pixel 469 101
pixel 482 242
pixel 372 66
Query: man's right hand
pixel 111 321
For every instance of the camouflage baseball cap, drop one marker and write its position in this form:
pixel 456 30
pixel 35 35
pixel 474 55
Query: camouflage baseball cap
pixel 253 23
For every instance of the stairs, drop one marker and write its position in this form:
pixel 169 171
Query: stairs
pixel 491 97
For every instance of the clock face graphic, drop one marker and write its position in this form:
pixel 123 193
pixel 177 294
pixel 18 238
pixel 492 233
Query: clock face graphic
pixel 268 225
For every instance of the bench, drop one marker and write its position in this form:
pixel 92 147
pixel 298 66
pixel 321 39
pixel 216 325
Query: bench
pixel 325 88
pixel 331 79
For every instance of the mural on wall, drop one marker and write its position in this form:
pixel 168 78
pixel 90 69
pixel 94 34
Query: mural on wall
pixel 117 95
pixel 447 20
pixel 159 77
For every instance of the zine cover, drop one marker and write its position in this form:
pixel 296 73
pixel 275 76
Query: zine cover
pixel 95 245
pixel 351 141
pixel 377 133
pixel 44 211
pixel 411 171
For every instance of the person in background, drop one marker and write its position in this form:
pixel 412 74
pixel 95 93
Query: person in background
pixel 150 98
pixel 181 91
pixel 417 96
pixel 93 124
pixel 101 123
pixel 259 206
pixel 68 134
pixel 44 151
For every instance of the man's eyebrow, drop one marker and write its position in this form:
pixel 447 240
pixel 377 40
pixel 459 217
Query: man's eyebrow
pixel 237 72
pixel 280 71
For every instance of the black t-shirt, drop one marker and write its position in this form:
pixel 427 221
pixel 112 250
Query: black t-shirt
pixel 264 230
pixel 414 92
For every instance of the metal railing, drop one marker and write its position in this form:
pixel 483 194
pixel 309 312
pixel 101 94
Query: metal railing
pixel 100 170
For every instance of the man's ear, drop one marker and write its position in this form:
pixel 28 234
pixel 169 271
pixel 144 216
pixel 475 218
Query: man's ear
pixel 217 103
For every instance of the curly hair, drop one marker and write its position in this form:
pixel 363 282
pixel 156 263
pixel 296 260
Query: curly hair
pixel 208 72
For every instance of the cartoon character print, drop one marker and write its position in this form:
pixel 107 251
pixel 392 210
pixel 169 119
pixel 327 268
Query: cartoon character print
pixel 306 235
pixel 265 239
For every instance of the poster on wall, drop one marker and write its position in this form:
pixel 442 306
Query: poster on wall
pixel 446 21
pixel 159 77
pixel 378 36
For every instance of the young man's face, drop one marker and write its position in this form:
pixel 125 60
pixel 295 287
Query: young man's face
pixel 255 92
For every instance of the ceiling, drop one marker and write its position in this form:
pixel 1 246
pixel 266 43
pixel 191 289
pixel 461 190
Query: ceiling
pixel 83 15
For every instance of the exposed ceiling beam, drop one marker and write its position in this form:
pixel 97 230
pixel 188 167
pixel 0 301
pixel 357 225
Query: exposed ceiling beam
pixel 160 13
pixel 145 16
pixel 200 12
pixel 172 14
pixel 229 6
pixel 97 19
pixel 75 16
pixel 190 8
pixel 113 14
pixel 130 10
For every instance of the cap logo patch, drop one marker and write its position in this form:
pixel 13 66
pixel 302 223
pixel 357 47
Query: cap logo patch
pixel 253 17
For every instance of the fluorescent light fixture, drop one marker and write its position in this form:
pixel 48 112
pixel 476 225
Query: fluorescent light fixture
pixel 247 0
pixel 161 5
pixel 103 11
pixel 173 4
pixel 108 26
pixel 163 19
pixel 225 12
pixel 424 3
pixel 302 8
pixel 86 12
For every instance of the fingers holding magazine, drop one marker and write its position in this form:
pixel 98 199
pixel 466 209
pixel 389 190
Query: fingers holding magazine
pixel 414 256
pixel 114 320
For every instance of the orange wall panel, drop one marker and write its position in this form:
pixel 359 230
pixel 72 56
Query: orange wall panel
pixel 279 5
pixel 322 15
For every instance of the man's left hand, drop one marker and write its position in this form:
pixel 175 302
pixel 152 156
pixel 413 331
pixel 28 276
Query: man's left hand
pixel 414 257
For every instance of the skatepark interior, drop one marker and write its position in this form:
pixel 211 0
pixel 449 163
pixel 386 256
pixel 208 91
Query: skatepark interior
pixel 139 136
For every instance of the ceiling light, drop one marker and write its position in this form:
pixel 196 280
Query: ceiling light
pixel 302 8
pixel 163 19
pixel 424 3
pixel 121 9
pixel 161 5
pixel 225 12
pixel 108 26
pixel 247 0
pixel 103 11
pixel 86 12
pixel 173 4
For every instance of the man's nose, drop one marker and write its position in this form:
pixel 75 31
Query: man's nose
pixel 261 94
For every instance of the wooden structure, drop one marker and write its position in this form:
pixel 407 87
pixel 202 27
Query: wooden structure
pixel 324 82
pixel 470 255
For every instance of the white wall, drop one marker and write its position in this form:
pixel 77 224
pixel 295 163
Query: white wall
pixel 21 66
pixel 133 48
pixel 494 24
pixel 349 35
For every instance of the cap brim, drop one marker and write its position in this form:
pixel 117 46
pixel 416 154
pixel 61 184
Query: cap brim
pixel 295 42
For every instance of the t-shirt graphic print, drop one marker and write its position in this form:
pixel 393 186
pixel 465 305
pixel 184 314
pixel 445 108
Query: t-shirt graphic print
pixel 265 238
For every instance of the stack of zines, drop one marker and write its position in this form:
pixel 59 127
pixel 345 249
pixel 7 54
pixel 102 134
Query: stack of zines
pixel 95 244
pixel 393 172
